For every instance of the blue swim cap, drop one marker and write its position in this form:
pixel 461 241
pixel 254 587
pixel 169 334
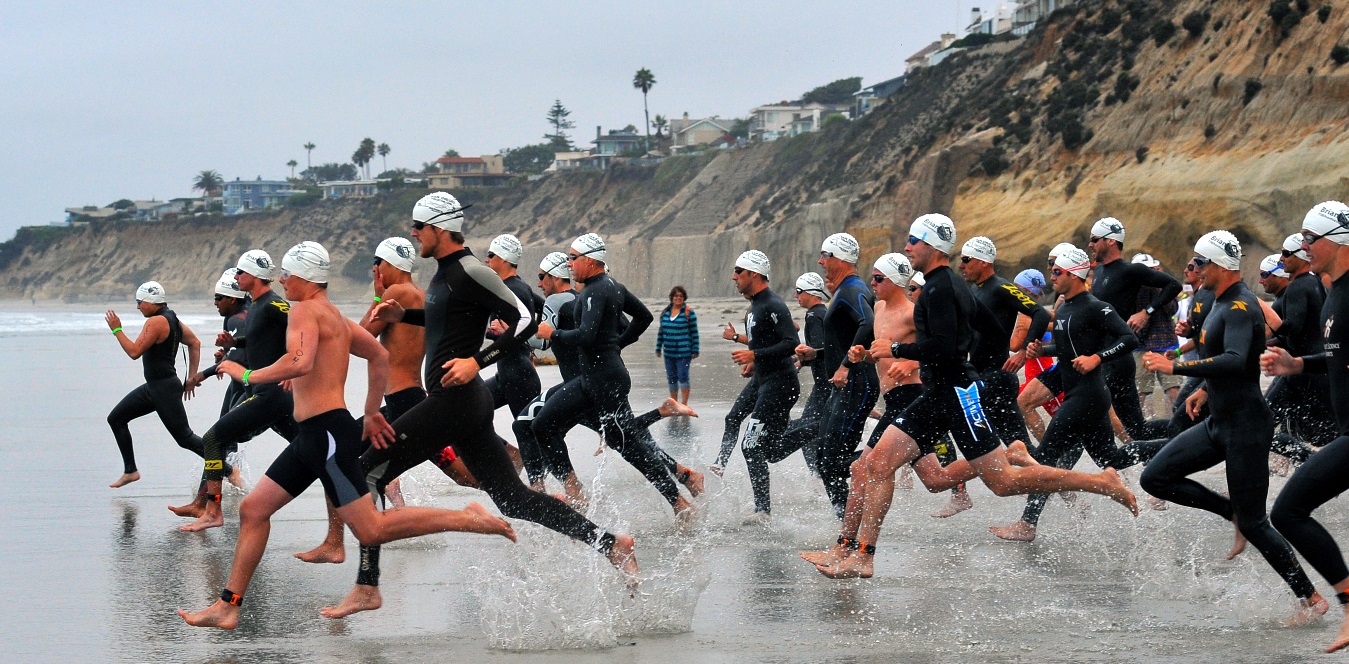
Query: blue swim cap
pixel 1031 281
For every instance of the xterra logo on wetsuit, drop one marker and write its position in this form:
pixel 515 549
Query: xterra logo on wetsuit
pixel 282 306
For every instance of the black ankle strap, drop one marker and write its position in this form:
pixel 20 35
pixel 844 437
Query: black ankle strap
pixel 1343 597
pixel 232 598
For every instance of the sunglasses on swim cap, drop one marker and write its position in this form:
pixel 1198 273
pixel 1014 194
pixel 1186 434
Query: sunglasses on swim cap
pixel 1199 262
pixel 877 278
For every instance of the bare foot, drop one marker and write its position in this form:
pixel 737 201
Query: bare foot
pixel 691 479
pixel 487 523
pixel 575 493
pixel 905 478
pixel 1279 465
pixel 394 492
pixel 624 557
pixel 191 510
pixel 1117 491
pixel 827 558
pixel 1018 455
pixel 856 566
pixel 327 552
pixel 960 501
pixel 716 470
pixel 361 598
pixel 220 614
pixel 1238 545
pixel 758 518
pixel 1308 611
pixel 1342 639
pixel 1017 532
pixel 684 511
pixel 237 479
pixel 210 518
pixel 1157 504
pixel 125 479
pixel 671 408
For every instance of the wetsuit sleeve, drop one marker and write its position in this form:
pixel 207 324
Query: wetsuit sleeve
pixel 940 343
pixel 862 314
pixel 1125 341
pixel 1147 276
pixel 414 317
pixel 483 287
pixel 1022 303
pixel 641 319
pixel 1294 312
pixel 814 336
pixel 1238 327
pixel 1316 363
pixel 786 344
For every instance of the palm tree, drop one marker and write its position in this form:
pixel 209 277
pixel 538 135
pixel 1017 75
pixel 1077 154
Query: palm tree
pixel 364 155
pixel 308 148
pixel 292 164
pixel 659 124
pixel 207 182
pixel 384 151
pixel 643 81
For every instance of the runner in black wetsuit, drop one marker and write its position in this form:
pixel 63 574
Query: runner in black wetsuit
pixel 949 405
pixel 774 388
pixel 846 324
pixel 1005 301
pixel 1240 426
pixel 1087 332
pixel 461 298
pixel 266 405
pixel 604 383
pixel 1116 283
pixel 1300 401
pixel 804 432
pixel 516 383
pixel 1326 474
pixel 163 393
pixel 232 303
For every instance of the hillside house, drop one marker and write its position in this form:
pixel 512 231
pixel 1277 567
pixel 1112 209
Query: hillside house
pixel 90 212
pixel 570 161
pixel 686 132
pixel 349 188
pixel 459 172
pixel 242 196
pixel 867 99
pixel 617 142
pixel 768 123
pixel 995 22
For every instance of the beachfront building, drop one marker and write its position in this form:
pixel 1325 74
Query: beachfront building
pixel 570 161
pixel 87 212
pixel 1029 12
pixel 152 210
pixel 459 172
pixel 242 196
pixel 768 123
pixel 995 22
pixel 687 132
pixel 349 188
pixel 867 99
pixel 617 142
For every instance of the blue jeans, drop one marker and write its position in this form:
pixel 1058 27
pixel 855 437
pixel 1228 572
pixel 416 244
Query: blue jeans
pixel 677 372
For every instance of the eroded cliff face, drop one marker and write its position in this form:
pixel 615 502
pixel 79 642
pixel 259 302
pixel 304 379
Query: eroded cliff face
pixel 1242 126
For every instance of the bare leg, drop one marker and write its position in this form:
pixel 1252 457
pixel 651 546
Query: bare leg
pixel 1007 480
pixel 894 449
pixel 575 493
pixel 1018 455
pixel 125 479
pixel 690 478
pixel 394 492
pixel 1341 639
pixel 624 557
pixel 852 515
pixel 211 516
pixel 1238 545
pixel 960 501
pixel 373 527
pixel 1029 402
pixel 1118 426
pixel 684 396
pixel 332 549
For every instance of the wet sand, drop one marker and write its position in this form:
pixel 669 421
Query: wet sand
pixel 94 574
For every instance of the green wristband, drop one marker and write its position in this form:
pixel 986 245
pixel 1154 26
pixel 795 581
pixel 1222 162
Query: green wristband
pixel 246 372
pixel 377 300
pixel 114 332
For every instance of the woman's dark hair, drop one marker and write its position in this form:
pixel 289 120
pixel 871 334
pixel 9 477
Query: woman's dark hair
pixel 679 290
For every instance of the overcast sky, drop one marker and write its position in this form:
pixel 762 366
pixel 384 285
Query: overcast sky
pixel 103 101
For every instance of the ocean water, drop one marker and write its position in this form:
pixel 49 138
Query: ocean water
pixel 95 574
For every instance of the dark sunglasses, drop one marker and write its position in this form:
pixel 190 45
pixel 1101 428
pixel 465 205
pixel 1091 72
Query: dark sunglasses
pixel 739 270
pixel 914 240
pixel 417 225
pixel 1057 272
pixel 1199 262
pixel 913 288
pixel 378 261
pixel 219 297
pixel 1094 239
pixel 965 259
pixel 491 255
pixel 826 254
pixel 1286 253
pixel 542 275
pixel 1265 274
pixel 877 278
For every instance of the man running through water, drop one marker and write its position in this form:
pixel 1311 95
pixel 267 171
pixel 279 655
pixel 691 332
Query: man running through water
pixel 267 405
pixel 1299 401
pixel 604 383
pixel 804 432
pixel 163 393
pixel 1240 425
pixel 847 323
pixel 1325 247
pixel 1087 332
pixel 950 404
pixel 231 303
pixel 461 298
pixel 516 382
pixel 319 343
pixel 770 337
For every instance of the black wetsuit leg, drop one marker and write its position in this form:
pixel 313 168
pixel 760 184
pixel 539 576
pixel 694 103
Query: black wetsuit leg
pixel 515 388
pixel 842 431
pixel 1120 379
pixel 1243 441
pixel 740 409
pixel 267 406
pixel 763 438
pixel 1299 404
pixel 163 397
pixel 1000 390
pixel 1318 481
pixel 803 433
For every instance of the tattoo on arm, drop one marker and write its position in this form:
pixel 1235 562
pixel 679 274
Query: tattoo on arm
pixel 299 352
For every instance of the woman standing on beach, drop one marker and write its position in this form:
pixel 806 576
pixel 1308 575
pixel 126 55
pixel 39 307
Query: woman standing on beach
pixel 677 340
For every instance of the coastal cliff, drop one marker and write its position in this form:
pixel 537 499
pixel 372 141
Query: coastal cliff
pixel 1238 123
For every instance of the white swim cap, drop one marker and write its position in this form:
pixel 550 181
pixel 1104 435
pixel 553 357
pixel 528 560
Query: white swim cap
pixel 1145 259
pixel 754 261
pixel 1074 261
pixel 811 282
pixel 1031 281
pixel 917 280
pixel 1108 227
pixel 441 210
pixel 151 292
pixel 1329 220
pixel 1293 244
pixel 896 268
pixel 555 264
pixel 1273 264
pixel 843 247
pixel 307 260
pixel 1059 248
pixel 228 284
pixel 1222 248
pixel 981 248
pixel 935 229
pixel 508 248
pixel 257 263
pixel 590 245
pixel 397 252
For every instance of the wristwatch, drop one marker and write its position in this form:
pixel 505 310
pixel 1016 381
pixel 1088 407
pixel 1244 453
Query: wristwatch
pixel 736 338
pixel 1150 310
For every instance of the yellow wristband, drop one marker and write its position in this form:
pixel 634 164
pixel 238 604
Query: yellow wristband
pixel 114 332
